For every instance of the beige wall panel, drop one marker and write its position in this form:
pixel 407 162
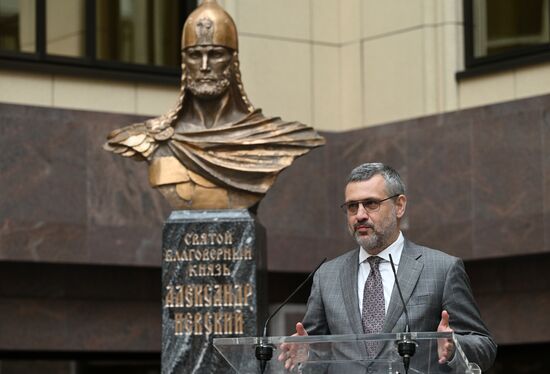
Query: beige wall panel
pixel 25 88
pixel 351 94
pixel 485 90
pixel 533 80
pixel 155 100
pixel 350 20
pixel 326 88
pixel 431 11
pixel 452 11
pixel 326 20
pixel 432 69
pixel 277 77
pixel 452 55
pixel 393 78
pixel 98 95
pixel 442 60
pixel 382 17
pixel 442 11
pixel 230 7
pixel 281 18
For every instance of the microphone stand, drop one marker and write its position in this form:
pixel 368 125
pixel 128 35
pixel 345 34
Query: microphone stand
pixel 264 351
pixel 406 347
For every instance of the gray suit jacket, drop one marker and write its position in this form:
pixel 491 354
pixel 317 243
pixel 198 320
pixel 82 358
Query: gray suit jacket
pixel 431 281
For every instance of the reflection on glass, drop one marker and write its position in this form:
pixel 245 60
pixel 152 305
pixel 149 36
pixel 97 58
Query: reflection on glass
pixel 65 27
pixel 502 26
pixel 17 25
pixel 138 31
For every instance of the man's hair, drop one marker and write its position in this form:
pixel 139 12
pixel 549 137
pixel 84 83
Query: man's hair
pixel 394 184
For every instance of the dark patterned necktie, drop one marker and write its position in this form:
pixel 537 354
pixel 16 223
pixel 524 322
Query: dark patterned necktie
pixel 373 304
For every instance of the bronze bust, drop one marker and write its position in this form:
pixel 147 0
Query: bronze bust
pixel 214 150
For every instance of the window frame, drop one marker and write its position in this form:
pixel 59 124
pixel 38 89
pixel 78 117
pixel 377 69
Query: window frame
pixel 88 65
pixel 503 61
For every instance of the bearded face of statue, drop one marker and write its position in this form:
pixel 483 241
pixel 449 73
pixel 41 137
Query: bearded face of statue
pixel 208 70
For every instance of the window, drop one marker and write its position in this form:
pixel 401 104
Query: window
pixel 136 39
pixel 138 32
pixel 506 30
pixel 17 26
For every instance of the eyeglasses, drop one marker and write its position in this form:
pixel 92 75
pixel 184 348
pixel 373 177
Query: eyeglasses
pixel 370 205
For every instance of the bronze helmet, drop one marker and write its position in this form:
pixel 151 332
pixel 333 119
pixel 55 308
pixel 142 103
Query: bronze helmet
pixel 209 24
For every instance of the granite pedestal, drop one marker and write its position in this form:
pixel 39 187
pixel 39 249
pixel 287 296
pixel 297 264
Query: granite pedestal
pixel 213 285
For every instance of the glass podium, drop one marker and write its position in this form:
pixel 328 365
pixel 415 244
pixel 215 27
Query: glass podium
pixel 345 354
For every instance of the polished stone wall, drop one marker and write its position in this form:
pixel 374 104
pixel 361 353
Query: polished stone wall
pixel 478 187
pixel 79 308
pixel 477 181
pixel 65 200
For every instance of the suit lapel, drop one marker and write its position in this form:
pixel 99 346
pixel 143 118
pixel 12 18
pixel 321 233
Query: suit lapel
pixel 408 272
pixel 348 282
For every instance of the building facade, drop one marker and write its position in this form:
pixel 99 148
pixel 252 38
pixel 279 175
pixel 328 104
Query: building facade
pixel 453 94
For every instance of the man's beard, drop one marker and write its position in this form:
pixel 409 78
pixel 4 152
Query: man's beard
pixel 369 242
pixel 210 89
pixel 379 239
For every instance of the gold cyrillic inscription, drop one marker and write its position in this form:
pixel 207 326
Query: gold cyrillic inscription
pixel 208 270
pixel 209 308
pixel 218 323
pixel 206 295
pixel 208 254
pixel 208 238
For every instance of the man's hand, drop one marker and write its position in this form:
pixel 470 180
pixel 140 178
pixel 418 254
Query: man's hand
pixel 445 347
pixel 293 353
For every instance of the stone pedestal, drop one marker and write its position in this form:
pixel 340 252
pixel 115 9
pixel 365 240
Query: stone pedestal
pixel 213 285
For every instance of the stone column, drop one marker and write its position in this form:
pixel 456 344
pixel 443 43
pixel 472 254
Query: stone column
pixel 213 285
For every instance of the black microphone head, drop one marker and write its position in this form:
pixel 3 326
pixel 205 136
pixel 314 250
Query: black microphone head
pixel 406 348
pixel 264 353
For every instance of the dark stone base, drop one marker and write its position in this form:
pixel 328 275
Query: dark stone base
pixel 213 278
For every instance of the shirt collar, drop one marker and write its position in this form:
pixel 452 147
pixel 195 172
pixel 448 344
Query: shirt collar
pixel 395 249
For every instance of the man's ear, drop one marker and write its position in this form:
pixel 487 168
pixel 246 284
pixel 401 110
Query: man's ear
pixel 401 205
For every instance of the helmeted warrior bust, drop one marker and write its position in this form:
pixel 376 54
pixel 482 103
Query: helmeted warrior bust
pixel 214 150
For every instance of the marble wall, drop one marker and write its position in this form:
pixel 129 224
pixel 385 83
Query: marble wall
pixel 478 186
pixel 65 200
pixel 78 308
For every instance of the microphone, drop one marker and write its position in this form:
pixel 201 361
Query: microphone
pixel 264 351
pixel 405 347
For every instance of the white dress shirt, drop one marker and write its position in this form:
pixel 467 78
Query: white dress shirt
pixel 388 279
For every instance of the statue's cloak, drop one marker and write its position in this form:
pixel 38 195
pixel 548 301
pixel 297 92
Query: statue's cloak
pixel 246 155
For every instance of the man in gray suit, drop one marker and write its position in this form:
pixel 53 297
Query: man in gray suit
pixel 356 293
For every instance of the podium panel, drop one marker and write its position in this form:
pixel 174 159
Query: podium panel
pixel 345 354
